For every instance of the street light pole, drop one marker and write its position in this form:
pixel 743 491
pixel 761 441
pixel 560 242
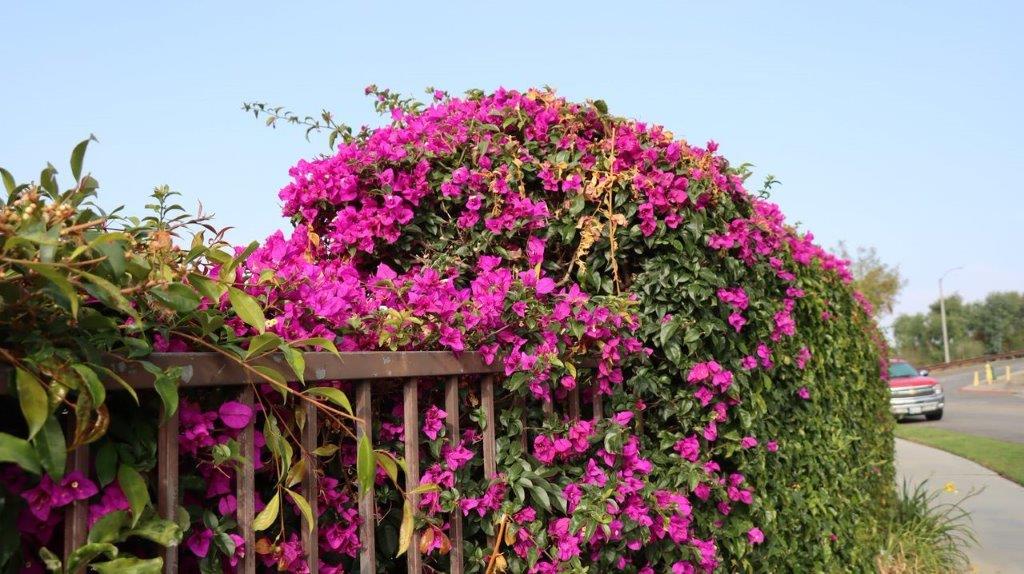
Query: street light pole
pixel 942 313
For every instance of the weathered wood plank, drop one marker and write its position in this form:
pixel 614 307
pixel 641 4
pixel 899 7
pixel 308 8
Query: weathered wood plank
pixel 451 409
pixel 245 483
pixel 76 516
pixel 367 515
pixel 310 487
pixel 574 403
pixel 410 413
pixel 490 445
pixel 167 481
pixel 598 406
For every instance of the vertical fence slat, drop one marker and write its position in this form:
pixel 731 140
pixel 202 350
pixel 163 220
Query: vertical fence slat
pixel 364 427
pixel 76 517
pixel 451 408
pixel 310 488
pixel 574 403
pixel 245 484
pixel 167 481
pixel 598 406
pixel 490 447
pixel 414 562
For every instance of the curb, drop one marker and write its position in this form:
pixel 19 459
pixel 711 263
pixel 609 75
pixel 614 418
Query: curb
pixel 982 390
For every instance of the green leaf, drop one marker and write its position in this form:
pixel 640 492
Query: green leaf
pixel 60 282
pixel 119 380
pixel 268 515
pixel 51 448
pixel 77 158
pixel 601 106
pixel 106 463
pixel 152 527
pixel 33 399
pixel 424 488
pixel 130 566
pixel 336 396
pixel 261 344
pixel 89 552
pixel 296 361
pixel 209 288
pixel 9 182
pixel 177 296
pixel 166 386
pixel 542 498
pixel 405 531
pixel 134 488
pixel 247 309
pixel 388 463
pixel 275 376
pixel 325 450
pixel 316 342
pixel 108 528
pixel 365 466
pixel 304 508
pixel 92 383
pixel 50 560
pixel 20 452
pixel 114 252
pixel 109 293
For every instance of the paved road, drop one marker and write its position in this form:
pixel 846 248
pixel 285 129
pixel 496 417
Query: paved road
pixel 996 415
pixel 997 511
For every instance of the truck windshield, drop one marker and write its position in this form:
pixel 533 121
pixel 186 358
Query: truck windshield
pixel 901 370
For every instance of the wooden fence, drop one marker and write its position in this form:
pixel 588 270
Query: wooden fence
pixel 369 370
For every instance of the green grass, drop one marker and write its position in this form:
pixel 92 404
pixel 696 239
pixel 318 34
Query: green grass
pixel 1003 457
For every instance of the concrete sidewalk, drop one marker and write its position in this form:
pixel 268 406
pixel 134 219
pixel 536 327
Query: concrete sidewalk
pixel 997 513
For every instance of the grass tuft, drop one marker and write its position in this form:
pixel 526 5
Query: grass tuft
pixel 926 537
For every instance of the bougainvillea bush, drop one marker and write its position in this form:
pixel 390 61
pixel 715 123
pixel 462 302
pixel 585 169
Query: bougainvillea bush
pixel 748 429
pixel 745 427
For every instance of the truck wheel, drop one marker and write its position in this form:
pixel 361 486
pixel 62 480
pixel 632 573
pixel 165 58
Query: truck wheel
pixel 934 416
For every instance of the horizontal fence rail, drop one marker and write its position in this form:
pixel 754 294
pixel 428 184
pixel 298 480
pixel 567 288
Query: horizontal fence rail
pixel 368 370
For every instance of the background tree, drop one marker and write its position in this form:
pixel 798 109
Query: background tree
pixel 993 325
pixel 879 282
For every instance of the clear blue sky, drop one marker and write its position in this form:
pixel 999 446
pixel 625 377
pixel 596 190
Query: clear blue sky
pixel 889 125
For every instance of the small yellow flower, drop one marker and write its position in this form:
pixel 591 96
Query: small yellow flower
pixel 950 487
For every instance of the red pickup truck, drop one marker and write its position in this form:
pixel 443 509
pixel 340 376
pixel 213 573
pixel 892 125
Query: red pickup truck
pixel 913 392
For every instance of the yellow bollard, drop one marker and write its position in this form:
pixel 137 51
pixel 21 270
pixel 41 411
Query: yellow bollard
pixel 988 373
pixel 976 378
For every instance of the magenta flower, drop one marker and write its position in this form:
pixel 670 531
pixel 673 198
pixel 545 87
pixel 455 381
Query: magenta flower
pixel 802 357
pixel 803 393
pixel 199 542
pixel 48 495
pixel 755 536
pixel 748 442
pixel 235 415
pixel 433 422
pixel 113 499
pixel 737 321
pixel 688 448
